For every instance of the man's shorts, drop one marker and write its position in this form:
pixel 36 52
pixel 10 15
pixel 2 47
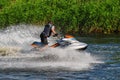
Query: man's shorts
pixel 43 38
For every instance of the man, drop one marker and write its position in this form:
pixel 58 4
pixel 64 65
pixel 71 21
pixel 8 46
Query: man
pixel 49 30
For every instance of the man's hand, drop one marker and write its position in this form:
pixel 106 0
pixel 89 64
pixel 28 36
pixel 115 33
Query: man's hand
pixel 55 35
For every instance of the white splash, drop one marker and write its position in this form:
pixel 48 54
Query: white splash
pixel 15 51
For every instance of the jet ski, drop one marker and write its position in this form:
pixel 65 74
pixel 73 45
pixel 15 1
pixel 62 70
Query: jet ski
pixel 66 42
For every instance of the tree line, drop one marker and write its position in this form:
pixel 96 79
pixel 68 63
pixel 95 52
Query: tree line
pixel 81 16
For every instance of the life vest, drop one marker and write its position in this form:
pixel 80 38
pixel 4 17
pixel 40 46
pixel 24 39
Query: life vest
pixel 47 30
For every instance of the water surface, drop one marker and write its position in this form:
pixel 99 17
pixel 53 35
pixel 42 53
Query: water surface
pixel 100 61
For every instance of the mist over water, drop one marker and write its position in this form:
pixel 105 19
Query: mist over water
pixel 16 53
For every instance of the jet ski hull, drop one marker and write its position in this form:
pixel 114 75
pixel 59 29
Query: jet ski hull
pixel 80 46
pixel 36 44
pixel 68 42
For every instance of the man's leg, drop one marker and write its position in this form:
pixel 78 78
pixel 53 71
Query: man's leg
pixel 44 41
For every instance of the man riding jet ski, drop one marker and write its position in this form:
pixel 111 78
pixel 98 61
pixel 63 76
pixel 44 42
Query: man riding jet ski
pixel 67 42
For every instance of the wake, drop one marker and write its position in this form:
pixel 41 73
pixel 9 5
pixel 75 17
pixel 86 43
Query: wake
pixel 15 52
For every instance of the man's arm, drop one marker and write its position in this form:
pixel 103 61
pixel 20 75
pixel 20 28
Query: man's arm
pixel 53 30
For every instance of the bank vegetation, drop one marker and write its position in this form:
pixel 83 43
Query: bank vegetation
pixel 81 16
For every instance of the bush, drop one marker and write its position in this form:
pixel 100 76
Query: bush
pixel 69 15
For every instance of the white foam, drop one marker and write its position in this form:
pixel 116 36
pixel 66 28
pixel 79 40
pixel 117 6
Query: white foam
pixel 16 40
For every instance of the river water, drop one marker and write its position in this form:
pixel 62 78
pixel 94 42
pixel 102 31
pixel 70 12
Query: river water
pixel 100 61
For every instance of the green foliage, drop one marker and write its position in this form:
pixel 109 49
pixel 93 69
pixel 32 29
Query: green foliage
pixel 68 15
pixel 4 3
